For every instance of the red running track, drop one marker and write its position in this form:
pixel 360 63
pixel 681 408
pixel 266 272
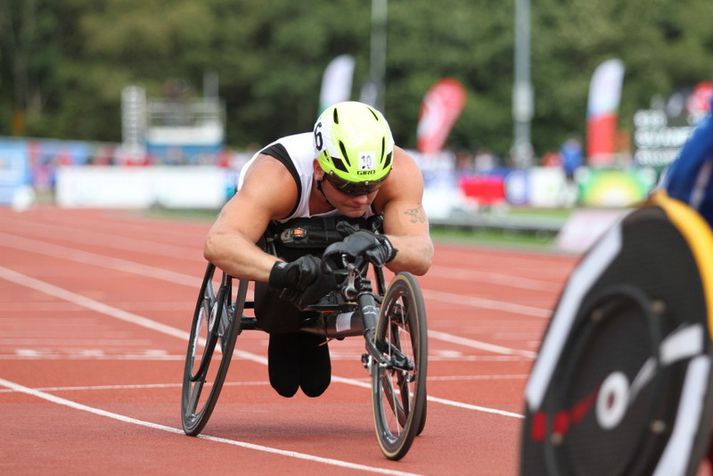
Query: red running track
pixel 94 310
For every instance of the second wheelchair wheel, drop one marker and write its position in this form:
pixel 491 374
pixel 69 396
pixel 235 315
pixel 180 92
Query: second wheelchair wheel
pixel 210 348
pixel 399 381
pixel 622 381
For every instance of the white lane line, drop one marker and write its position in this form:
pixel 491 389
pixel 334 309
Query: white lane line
pixel 156 426
pixel 70 341
pixel 500 279
pixel 191 233
pixel 434 355
pixel 30 354
pixel 111 240
pixel 476 344
pixel 141 386
pixel 477 358
pixel 11 309
pixel 88 354
pixel 83 301
pixel 252 383
pixel 457 378
pixel 53 290
pixel 442 401
pixel 64 252
pixel 483 303
pixel 478 408
pixel 179 251
pixel 194 283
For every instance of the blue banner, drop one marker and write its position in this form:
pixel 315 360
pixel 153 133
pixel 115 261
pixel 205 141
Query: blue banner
pixel 14 169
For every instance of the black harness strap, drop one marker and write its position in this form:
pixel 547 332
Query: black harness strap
pixel 312 235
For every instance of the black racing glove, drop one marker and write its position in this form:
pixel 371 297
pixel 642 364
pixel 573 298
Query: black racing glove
pixel 376 248
pixel 302 281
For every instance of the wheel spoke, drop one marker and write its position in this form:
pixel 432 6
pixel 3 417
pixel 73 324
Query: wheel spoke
pixel 399 380
pixel 209 294
pixel 392 400
pixel 210 348
pixel 195 395
pixel 405 391
pixel 202 313
pixel 224 323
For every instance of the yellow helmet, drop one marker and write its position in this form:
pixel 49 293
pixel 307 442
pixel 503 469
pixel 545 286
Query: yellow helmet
pixel 355 146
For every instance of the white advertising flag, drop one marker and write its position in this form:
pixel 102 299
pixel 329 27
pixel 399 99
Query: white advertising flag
pixel 336 81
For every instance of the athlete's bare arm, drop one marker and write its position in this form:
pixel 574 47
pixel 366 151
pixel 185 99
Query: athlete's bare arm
pixel 405 221
pixel 269 192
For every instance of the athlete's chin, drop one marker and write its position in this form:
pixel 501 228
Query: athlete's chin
pixel 353 212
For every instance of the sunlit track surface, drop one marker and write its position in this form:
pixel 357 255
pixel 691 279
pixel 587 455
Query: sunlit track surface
pixel 94 313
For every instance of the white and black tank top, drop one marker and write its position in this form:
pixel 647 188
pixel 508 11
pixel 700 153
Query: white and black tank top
pixel 296 153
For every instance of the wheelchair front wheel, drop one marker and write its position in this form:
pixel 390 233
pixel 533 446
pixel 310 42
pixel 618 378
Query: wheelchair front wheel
pixel 399 381
pixel 214 331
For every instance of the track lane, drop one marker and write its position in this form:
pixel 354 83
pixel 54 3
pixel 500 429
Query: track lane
pixel 308 429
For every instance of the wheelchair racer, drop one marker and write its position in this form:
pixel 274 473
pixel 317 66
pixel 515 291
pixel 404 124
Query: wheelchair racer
pixel 348 166
pixel 690 176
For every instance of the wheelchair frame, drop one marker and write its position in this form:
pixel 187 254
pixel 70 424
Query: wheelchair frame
pixel 398 378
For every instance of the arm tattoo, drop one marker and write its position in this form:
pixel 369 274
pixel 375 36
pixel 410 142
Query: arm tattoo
pixel 416 215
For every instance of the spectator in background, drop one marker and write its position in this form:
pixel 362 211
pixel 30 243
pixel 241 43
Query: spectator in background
pixel 103 155
pixel 551 158
pixel 464 162
pixel 485 161
pixel 571 156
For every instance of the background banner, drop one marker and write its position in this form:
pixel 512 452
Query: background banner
pixel 603 104
pixel 698 103
pixel 14 169
pixel 336 81
pixel 441 107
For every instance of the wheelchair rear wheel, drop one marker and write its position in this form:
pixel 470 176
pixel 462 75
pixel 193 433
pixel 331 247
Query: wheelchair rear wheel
pixel 214 330
pixel 399 382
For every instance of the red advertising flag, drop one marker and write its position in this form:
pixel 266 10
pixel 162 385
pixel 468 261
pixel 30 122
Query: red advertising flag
pixel 698 103
pixel 602 110
pixel 440 109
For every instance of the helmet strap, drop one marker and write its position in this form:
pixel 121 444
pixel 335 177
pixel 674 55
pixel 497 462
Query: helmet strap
pixel 319 187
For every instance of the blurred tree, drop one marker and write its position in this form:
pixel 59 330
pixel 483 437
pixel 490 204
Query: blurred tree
pixel 271 55
pixel 664 44
pixel 28 60
pixel 64 63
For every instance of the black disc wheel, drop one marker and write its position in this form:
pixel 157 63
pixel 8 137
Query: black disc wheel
pixel 622 382
pixel 399 380
pixel 214 331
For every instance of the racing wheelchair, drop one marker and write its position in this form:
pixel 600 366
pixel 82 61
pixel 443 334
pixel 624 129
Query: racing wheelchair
pixel 622 382
pixel 391 320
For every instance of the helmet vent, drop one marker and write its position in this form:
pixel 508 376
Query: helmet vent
pixel 388 160
pixel 336 116
pixel 381 157
pixel 344 153
pixel 374 114
pixel 339 164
